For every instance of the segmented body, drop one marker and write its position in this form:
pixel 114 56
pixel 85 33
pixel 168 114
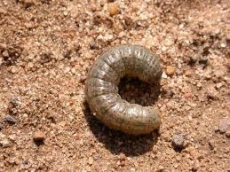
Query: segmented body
pixel 102 88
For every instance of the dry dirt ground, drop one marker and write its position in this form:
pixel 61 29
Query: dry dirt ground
pixel 46 50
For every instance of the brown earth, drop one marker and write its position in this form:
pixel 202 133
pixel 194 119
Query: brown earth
pixel 46 49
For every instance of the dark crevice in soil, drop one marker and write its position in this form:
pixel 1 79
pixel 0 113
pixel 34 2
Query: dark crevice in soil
pixel 135 91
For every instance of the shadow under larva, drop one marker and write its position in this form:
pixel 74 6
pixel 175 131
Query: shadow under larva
pixel 102 88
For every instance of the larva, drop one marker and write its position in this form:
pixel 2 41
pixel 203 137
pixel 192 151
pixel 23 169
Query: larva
pixel 102 88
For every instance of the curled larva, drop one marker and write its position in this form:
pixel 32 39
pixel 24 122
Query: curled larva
pixel 102 88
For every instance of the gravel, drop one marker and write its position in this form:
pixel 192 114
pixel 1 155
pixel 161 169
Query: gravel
pixel 39 136
pixel 203 60
pixel 211 144
pixel 1 126
pixel 113 9
pixel 178 141
pixel 227 133
pixel 170 70
pixel 46 50
pixel 224 125
pixel 4 142
pixel 10 119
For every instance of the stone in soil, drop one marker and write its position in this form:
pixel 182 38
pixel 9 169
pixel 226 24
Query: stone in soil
pixel 195 167
pixel 28 3
pixel 13 70
pixel 4 12
pixel 160 168
pixel 113 9
pixel 93 45
pixel 5 53
pixel 192 59
pixel 228 132
pixel 4 142
pixel 10 119
pixel 203 60
pixel 1 126
pixel 15 102
pixel 188 73
pixel 12 137
pixel 224 125
pixel 38 136
pixel 211 144
pixel 178 141
pixel 90 161
pixel 212 93
pixel 170 70
pixel 164 76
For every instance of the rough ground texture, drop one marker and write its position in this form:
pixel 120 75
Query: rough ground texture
pixel 46 49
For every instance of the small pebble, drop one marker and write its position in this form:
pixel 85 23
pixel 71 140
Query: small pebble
pixel 211 144
pixel 227 133
pixel 30 65
pixel 90 161
pixel 122 160
pixel 195 167
pixel 62 123
pixel 188 73
pixel 224 125
pixel 160 168
pixel 113 9
pixel 3 46
pixel 16 101
pixel 73 71
pixel 178 141
pixel 223 45
pixel 219 85
pixel 170 70
pixel 193 59
pixel 38 136
pixel 169 93
pixel 93 45
pixel 13 70
pixel 203 60
pixel 2 135
pixel 82 79
pixel 5 53
pixel 169 42
pixel 10 119
pixel 228 65
pixel 188 95
pixel 65 13
pixel 1 126
pixel 4 143
pixel 93 7
pixel 13 137
pixel 122 157
pixel 212 93
pixel 3 11
pixel 28 3
pixel 164 76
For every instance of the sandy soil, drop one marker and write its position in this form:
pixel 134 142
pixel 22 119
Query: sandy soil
pixel 46 49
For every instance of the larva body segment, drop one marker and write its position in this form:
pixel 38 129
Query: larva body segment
pixel 102 90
